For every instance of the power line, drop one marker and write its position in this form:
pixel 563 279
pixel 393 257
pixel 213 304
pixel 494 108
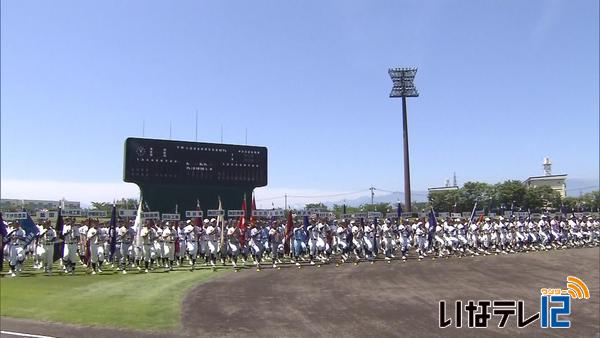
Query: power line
pixel 332 195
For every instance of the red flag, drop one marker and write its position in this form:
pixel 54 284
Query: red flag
pixel 252 208
pixel 242 224
pixel 176 237
pixel 197 221
pixel 288 232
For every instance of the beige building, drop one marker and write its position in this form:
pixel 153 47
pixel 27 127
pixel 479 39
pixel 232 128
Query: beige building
pixel 556 182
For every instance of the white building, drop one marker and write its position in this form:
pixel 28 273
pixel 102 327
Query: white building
pixel 556 182
pixel 33 205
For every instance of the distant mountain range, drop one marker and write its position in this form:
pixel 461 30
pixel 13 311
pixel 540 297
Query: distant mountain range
pixel 575 187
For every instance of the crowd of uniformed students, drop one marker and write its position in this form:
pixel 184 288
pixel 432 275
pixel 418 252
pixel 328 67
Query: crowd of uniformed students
pixel 306 241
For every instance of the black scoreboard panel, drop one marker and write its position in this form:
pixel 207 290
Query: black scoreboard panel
pixel 194 163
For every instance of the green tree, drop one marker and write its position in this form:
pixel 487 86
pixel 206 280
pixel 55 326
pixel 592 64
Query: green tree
pixel 590 201
pixel 542 198
pixel 445 201
pixel 570 203
pixel 102 206
pixel 481 192
pixel 509 193
pixel 380 207
pixel 316 206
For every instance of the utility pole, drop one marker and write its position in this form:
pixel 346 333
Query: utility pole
pixel 372 194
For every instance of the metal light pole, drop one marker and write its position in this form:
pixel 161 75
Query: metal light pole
pixel 404 87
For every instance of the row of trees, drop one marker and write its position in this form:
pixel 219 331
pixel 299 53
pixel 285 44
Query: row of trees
pixel 497 198
pixel 490 197
pixel 510 195
pixel 123 203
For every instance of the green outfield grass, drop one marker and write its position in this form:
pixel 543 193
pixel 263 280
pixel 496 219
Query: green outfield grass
pixel 138 301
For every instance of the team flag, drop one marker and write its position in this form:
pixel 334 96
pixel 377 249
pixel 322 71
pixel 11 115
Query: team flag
pixel 59 246
pixel 197 221
pixel 3 232
pixel 375 237
pixel 242 223
pixel 289 227
pixel 563 211
pixel 399 210
pixel 31 230
pixel 305 223
pixel 88 244
pixel 432 225
pixel 473 213
pixel 113 231
pixel 221 220
pixel 137 225
pixel 252 208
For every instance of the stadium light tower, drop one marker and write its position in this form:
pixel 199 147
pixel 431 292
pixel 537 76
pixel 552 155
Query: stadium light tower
pixel 404 87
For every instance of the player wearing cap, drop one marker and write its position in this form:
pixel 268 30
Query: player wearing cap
pixel 300 237
pixel 387 234
pixel 543 230
pixel 16 248
pixel 255 244
pixel 233 243
pixel 94 243
pixel 341 238
pixel 168 245
pixel 404 237
pixel 71 236
pixel 191 241
pixel 148 235
pixel 211 242
pixel 47 239
pixel 357 241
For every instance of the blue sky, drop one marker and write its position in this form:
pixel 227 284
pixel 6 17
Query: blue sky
pixel 502 83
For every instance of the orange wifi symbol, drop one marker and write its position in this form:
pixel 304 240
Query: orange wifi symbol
pixel 577 288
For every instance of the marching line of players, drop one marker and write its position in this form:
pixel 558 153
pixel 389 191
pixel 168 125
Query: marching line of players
pixel 166 245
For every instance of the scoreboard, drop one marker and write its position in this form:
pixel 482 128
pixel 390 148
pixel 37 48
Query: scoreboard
pixel 169 162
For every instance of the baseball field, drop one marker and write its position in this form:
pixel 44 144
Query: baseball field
pixel 400 298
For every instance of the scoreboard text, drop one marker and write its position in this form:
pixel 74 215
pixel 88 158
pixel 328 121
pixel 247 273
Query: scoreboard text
pixel 179 162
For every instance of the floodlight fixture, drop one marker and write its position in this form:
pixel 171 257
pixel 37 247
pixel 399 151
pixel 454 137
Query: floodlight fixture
pixel 403 79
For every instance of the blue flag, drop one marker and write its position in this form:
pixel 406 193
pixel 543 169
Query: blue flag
pixel 113 231
pixel 3 231
pixel 59 246
pixel 399 210
pixel 305 223
pixel 375 237
pixel 563 210
pixel 432 221
pixel 31 230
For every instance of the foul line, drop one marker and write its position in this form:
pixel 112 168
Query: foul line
pixel 10 333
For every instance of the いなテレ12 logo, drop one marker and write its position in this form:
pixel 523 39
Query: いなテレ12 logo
pixel 555 304
pixel 555 307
